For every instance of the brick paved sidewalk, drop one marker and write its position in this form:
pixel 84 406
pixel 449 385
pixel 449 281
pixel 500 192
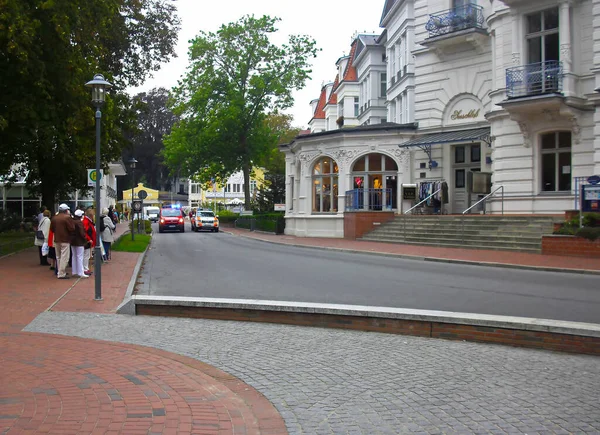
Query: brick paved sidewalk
pixel 56 384
pixel 479 256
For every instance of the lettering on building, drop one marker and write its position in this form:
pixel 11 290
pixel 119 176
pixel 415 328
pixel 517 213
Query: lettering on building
pixel 471 114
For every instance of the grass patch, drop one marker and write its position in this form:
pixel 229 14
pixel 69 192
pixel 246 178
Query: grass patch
pixel 14 241
pixel 126 245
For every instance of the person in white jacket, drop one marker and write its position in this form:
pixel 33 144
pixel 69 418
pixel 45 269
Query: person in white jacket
pixel 44 227
pixel 107 234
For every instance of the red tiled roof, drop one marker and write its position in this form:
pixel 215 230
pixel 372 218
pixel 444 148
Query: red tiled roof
pixel 350 74
pixel 319 112
pixel 333 96
pixel 304 132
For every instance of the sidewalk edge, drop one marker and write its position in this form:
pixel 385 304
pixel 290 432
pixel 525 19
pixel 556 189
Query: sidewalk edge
pixel 433 259
pixel 127 306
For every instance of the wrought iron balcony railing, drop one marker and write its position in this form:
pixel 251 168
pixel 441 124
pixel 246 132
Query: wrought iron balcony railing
pixel 534 79
pixel 469 16
pixel 369 199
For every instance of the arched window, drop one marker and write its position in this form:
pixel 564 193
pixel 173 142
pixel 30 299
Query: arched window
pixel 374 179
pixel 325 186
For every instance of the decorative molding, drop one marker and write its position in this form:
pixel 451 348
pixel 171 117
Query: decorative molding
pixel 565 53
pixel 525 133
pixel 403 156
pixel 516 58
pixel 305 159
pixel 576 129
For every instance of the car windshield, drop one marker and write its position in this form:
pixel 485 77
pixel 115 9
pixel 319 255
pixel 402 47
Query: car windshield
pixel 171 212
pixel 207 214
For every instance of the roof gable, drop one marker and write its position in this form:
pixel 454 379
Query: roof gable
pixel 319 112
pixel 387 7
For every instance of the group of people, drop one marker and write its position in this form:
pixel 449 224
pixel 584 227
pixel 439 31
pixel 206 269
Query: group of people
pixel 69 239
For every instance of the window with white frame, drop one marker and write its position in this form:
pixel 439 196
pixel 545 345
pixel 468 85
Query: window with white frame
pixel 325 186
pixel 382 85
pixel 555 151
pixel 356 106
pixel 542 36
pixel 341 107
pixel 252 186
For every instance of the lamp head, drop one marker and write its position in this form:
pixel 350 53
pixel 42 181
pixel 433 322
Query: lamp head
pixel 99 87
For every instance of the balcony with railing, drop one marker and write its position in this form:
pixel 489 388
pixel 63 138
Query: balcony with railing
pixel 369 199
pixel 534 79
pixel 465 17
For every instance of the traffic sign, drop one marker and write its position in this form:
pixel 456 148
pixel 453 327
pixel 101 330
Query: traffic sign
pixel 91 176
pixel 137 205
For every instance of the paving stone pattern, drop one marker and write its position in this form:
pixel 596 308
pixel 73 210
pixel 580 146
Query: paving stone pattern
pixel 326 381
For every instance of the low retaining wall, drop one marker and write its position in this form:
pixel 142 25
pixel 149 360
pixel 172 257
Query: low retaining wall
pixel 357 223
pixel 515 331
pixel 571 246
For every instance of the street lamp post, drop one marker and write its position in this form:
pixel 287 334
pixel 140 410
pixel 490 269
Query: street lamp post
pixel 132 161
pixel 99 87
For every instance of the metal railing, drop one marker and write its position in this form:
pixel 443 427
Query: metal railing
pixel 479 202
pixel 534 79
pixel 469 16
pixel 369 199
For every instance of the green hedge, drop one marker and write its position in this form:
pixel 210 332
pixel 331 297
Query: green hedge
pixel 590 229
pixel 144 224
pixel 268 222
pixel 227 216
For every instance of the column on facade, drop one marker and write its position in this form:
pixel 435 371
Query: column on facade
pixel 564 37
pixel 516 39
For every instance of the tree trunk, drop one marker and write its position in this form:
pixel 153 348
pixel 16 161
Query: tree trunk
pixel 246 170
pixel 48 198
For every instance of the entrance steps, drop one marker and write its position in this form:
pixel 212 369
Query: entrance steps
pixel 500 232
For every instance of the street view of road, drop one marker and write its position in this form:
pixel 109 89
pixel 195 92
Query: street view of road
pixel 221 265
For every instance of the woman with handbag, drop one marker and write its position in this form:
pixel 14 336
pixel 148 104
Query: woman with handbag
pixel 41 237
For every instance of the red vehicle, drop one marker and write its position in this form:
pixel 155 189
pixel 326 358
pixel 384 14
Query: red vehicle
pixel 171 219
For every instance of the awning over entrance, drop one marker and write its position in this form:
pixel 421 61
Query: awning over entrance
pixel 425 142
pixel 479 134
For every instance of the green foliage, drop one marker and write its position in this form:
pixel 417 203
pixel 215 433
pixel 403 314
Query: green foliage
pixel 236 76
pixel 139 244
pixel 49 49
pixel 9 221
pixel 144 224
pixel 227 216
pixel 571 227
pixel 268 222
pixel 590 233
pixel 13 241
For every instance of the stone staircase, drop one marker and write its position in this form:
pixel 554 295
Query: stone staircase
pixel 509 233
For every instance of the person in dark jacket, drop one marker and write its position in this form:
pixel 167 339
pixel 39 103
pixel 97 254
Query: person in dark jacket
pixel 78 243
pixel 63 227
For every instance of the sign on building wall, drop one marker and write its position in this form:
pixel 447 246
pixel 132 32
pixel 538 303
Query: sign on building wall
pixel 464 110
pixel 92 177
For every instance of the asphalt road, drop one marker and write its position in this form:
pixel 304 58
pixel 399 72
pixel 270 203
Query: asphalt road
pixel 222 265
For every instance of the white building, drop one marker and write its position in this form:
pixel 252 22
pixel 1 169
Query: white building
pixel 503 88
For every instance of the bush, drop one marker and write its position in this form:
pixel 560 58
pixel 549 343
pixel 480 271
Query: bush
pixel 227 216
pixel 590 221
pixel 589 233
pixel 268 222
pixel 9 221
pixel 144 224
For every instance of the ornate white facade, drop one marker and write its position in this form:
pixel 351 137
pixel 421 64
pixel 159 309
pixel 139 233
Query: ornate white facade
pixel 505 88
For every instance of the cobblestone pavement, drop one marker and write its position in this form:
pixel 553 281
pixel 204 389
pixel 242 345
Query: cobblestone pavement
pixel 326 381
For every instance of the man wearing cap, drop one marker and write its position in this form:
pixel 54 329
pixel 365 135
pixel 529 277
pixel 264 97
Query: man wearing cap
pixel 63 227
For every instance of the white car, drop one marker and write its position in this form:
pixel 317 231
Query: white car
pixel 205 220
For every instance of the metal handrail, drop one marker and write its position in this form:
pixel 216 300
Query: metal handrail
pixel 478 202
pixel 486 197
pixel 429 197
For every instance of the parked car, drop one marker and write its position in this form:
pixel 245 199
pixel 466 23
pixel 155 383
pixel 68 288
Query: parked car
pixel 171 219
pixel 205 220
pixel 152 213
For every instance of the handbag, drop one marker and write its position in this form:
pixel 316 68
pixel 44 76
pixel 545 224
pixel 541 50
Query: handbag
pixel 45 249
pixel 39 234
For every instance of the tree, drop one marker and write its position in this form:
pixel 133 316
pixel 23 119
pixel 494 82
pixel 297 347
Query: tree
pixel 154 122
pixel 235 77
pixel 273 162
pixel 48 50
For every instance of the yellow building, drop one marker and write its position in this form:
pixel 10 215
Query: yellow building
pixel 151 197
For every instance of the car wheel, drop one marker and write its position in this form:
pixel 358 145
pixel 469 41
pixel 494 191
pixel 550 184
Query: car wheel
pixel 182 229
pixel 216 230
pixel 160 230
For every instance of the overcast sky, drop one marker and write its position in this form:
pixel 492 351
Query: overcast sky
pixel 330 23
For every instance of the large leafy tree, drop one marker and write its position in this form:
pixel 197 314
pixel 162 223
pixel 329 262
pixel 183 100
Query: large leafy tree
pixel 154 121
pixel 273 162
pixel 48 50
pixel 235 77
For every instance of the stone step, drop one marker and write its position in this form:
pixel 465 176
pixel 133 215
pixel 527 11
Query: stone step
pixel 498 247
pixel 454 236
